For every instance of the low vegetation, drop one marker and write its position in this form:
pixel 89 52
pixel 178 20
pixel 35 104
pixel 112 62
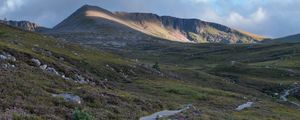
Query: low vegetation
pixel 215 78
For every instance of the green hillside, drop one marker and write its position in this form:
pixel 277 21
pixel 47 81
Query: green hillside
pixel 116 84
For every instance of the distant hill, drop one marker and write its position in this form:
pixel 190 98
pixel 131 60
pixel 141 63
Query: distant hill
pixel 107 26
pixel 25 25
pixel 287 39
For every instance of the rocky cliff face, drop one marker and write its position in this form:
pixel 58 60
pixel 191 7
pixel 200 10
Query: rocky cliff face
pixel 192 29
pixel 139 26
pixel 25 25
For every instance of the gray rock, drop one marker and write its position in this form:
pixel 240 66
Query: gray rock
pixel 69 97
pixel 52 70
pixel 61 58
pixel 80 79
pixel 48 53
pixel 2 57
pixel 64 77
pixel 7 66
pixel 36 62
pixel 7 56
pixel 244 106
pixel 44 67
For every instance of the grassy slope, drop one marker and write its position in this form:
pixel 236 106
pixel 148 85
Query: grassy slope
pixel 197 74
pixel 259 72
pixel 289 39
pixel 34 87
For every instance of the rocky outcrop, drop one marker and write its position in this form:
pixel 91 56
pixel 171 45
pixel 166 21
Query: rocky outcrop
pixel 6 56
pixel 76 77
pixel 25 25
pixel 7 60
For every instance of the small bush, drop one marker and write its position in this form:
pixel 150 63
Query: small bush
pixel 2 33
pixel 156 66
pixel 81 115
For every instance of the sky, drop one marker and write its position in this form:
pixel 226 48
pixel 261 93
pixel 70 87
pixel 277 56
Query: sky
pixel 271 18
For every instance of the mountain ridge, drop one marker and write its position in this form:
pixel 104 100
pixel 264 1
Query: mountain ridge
pixel 93 18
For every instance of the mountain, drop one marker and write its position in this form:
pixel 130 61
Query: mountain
pixel 287 39
pixel 104 25
pixel 25 25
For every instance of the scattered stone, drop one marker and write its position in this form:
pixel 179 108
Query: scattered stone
pixel 61 58
pixel 80 79
pixel 109 67
pixel 2 57
pixel 69 97
pixel 244 106
pixel 48 53
pixel 77 78
pixel 52 70
pixel 6 56
pixel 64 77
pixel 43 67
pixel 165 113
pixel 36 62
pixel 7 66
pixel 75 53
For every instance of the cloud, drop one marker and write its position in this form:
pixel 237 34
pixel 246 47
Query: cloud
pixel 237 20
pixel 10 5
pixel 265 17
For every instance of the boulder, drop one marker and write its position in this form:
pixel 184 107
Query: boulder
pixel 80 79
pixel 2 57
pixel 36 62
pixel 7 56
pixel 52 70
pixel 44 67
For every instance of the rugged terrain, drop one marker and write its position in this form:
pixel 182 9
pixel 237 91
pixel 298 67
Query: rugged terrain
pixel 25 25
pixel 97 25
pixel 47 78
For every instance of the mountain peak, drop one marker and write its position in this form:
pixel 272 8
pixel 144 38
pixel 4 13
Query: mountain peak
pixel 95 19
pixel 86 8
